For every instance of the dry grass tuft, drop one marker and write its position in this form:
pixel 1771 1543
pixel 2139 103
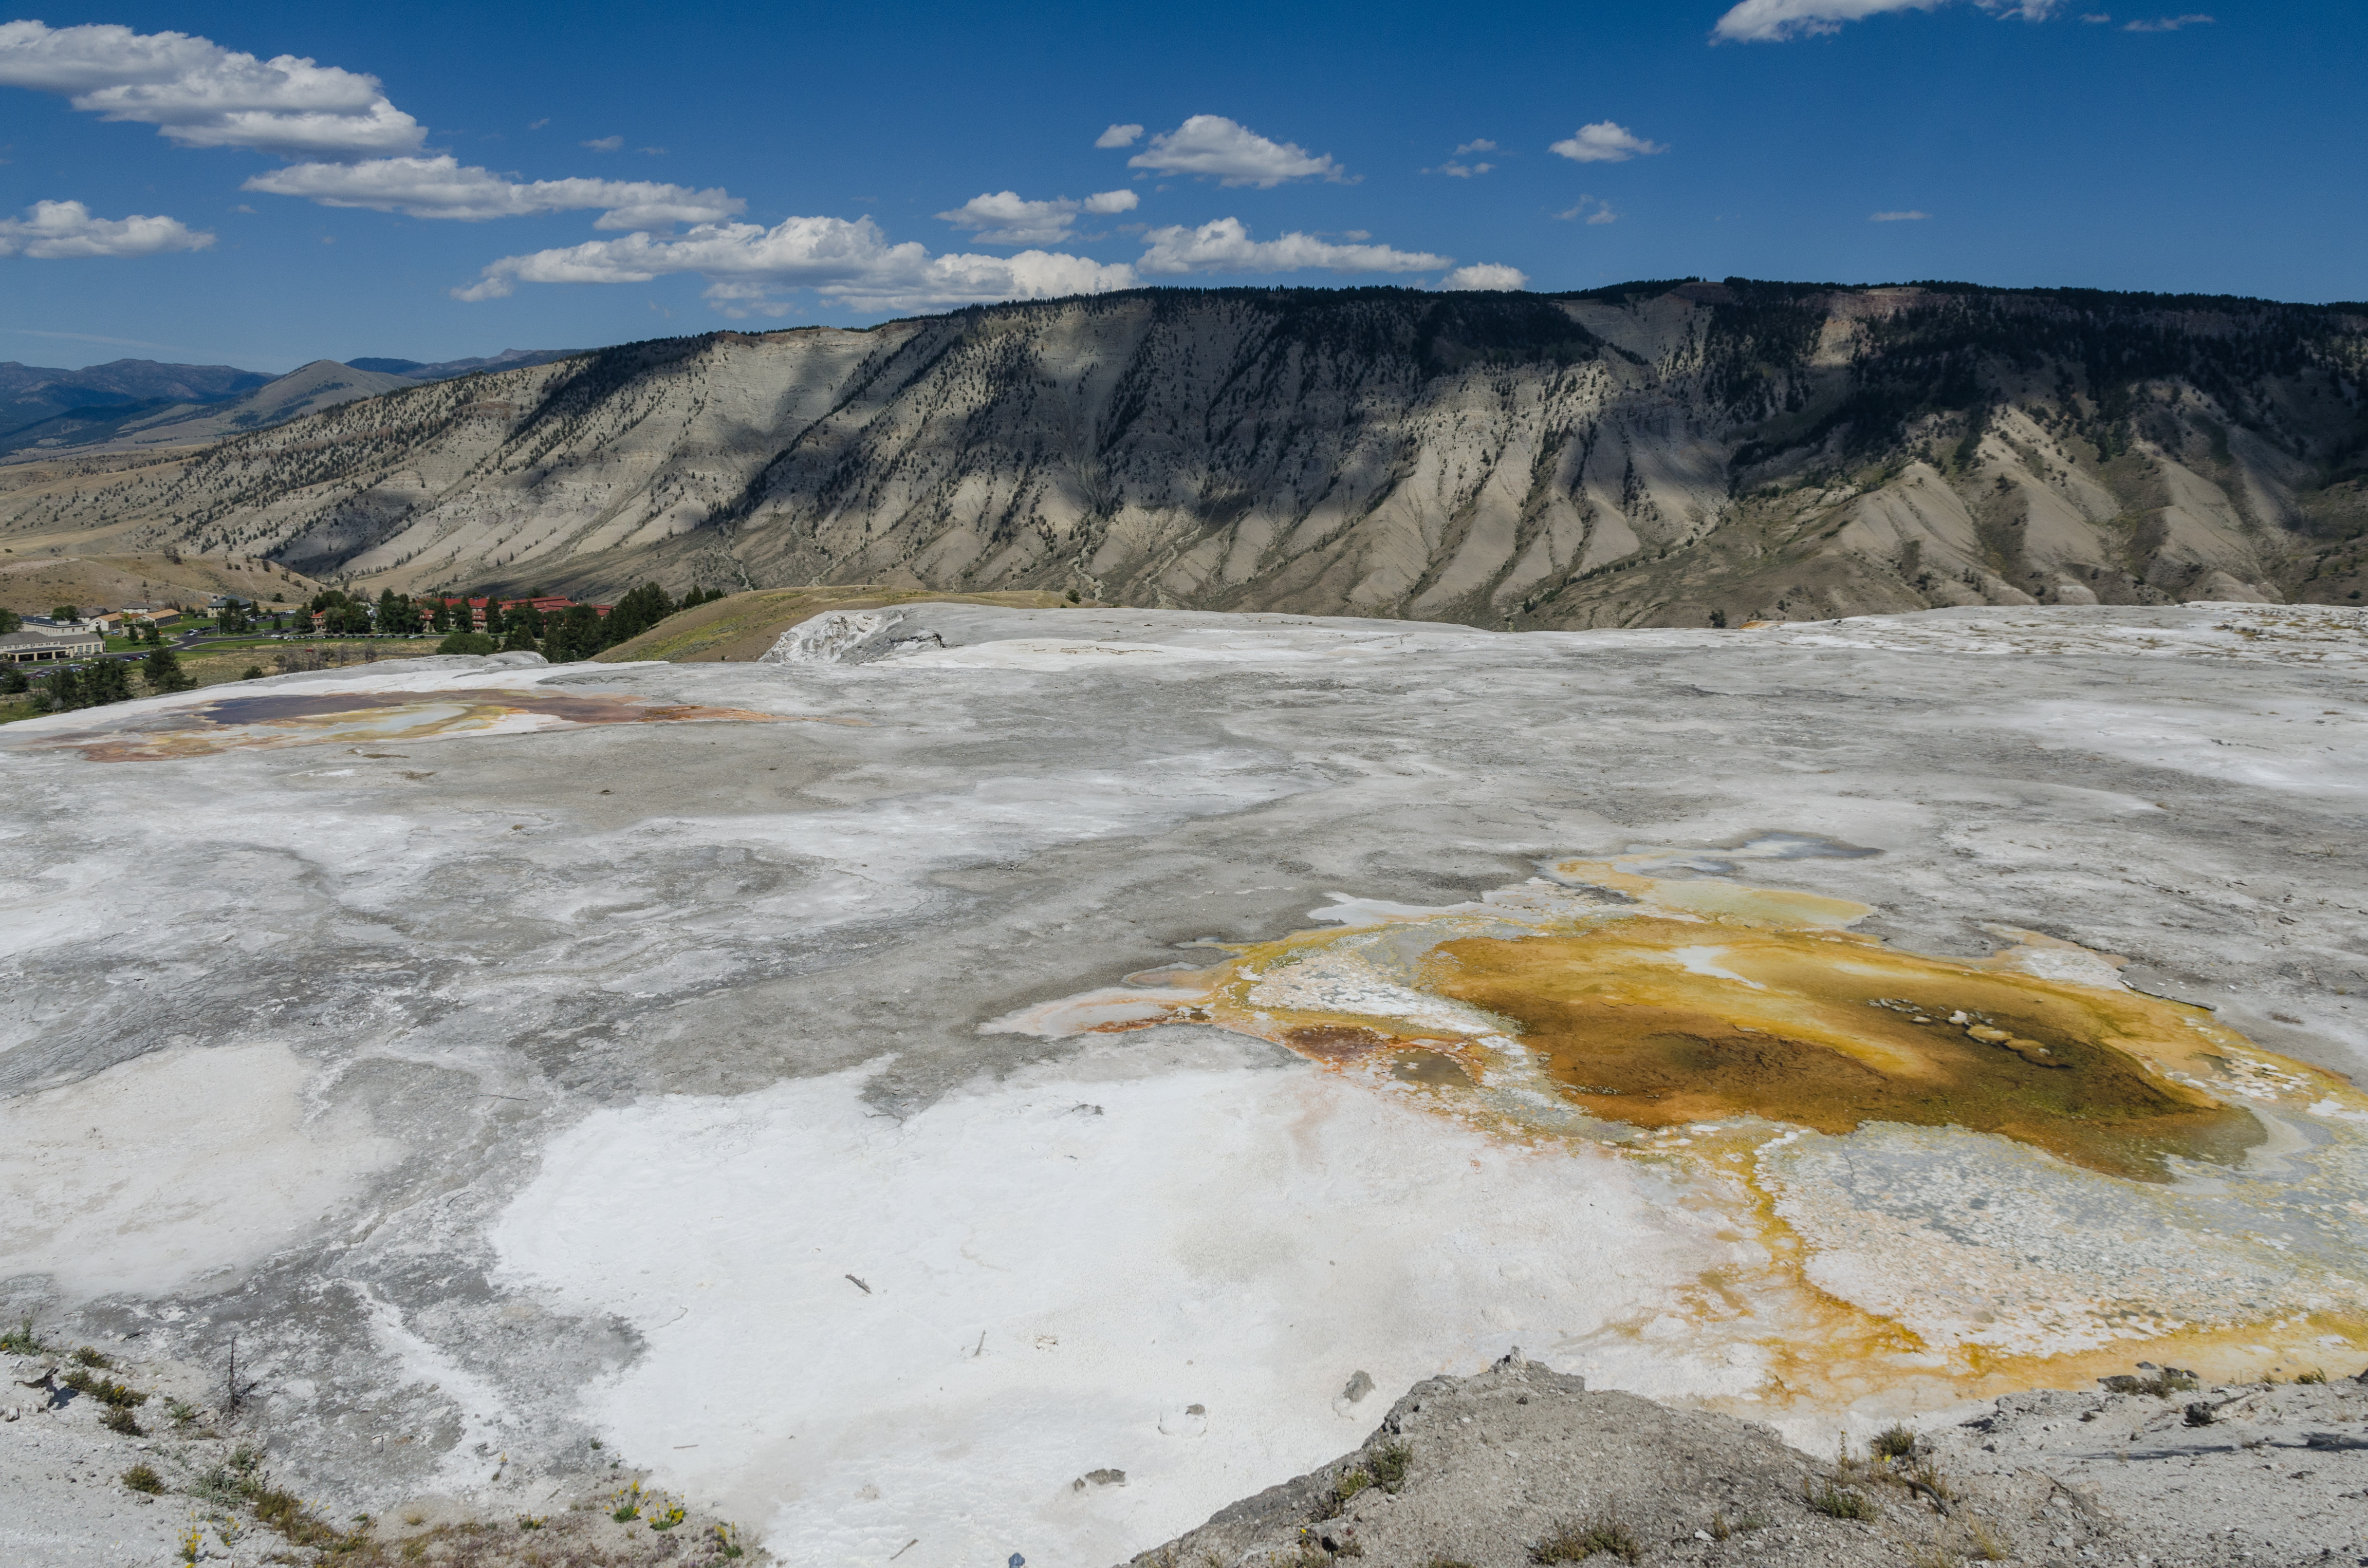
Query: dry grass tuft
pixel 1577 1542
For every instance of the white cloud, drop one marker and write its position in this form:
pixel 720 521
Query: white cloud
pixel 1897 217
pixel 748 266
pixel 1604 143
pixel 201 95
pixel 1234 153
pixel 2168 24
pixel 1593 209
pixel 56 230
pixel 1005 217
pixel 1461 171
pixel 603 143
pixel 1770 21
pixel 1118 136
pixel 1481 146
pixel 442 188
pixel 1224 245
pixel 1486 275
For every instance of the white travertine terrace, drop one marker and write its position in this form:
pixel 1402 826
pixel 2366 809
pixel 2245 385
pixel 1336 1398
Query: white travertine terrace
pixel 525 1080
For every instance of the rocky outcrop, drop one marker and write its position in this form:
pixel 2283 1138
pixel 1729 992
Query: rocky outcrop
pixel 1521 1465
pixel 1651 454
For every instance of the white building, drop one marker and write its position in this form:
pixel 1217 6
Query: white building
pixel 39 647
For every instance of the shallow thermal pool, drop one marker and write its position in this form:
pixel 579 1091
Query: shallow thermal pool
pixel 264 719
pixel 1984 1170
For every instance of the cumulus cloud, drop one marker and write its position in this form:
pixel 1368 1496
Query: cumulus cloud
pixel 1461 171
pixel 1224 245
pixel 1770 21
pixel 1897 217
pixel 1481 146
pixel 442 188
pixel 1604 143
pixel 748 266
pixel 333 124
pixel 1486 275
pixel 2168 24
pixel 201 95
pixel 52 230
pixel 1119 136
pixel 604 143
pixel 1231 153
pixel 1005 217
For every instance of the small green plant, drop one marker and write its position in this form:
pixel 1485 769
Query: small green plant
pixel 727 1540
pixel 119 1419
pixel 192 1540
pixel 1576 1543
pixel 183 1413
pixel 1836 1502
pixel 1893 1442
pixel 1927 1478
pixel 2312 1376
pixel 252 672
pixel 144 1478
pixel 107 1391
pixel 1389 1463
pixel 664 1513
pixel 90 1356
pixel 530 1521
pixel 21 1340
pixel 626 1506
pixel 1344 1486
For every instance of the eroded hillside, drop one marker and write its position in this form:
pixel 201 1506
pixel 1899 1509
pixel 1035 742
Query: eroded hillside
pixel 1654 454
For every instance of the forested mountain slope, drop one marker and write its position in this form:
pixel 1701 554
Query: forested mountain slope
pixel 1651 454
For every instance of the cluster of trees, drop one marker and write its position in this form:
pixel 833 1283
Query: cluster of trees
pixel 235 617
pixel 10 621
pixel 96 684
pixel 565 636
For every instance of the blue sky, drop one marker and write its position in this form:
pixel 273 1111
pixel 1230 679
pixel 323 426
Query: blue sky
pixel 548 177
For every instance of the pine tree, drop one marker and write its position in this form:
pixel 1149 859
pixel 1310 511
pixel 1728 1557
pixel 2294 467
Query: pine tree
pixel 163 672
pixel 109 680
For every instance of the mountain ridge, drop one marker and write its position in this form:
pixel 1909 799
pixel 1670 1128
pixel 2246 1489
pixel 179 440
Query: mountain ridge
pixel 1670 452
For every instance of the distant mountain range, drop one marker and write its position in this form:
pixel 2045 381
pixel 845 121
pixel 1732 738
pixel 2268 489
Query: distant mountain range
pixel 1671 453
pixel 507 359
pixel 135 404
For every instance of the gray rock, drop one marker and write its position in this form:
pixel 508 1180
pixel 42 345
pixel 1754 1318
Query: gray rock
pixel 1519 1464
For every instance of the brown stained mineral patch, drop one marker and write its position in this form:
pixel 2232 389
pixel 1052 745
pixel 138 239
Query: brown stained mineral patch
pixel 1655 1022
pixel 1433 1069
pixel 272 719
pixel 1335 1042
